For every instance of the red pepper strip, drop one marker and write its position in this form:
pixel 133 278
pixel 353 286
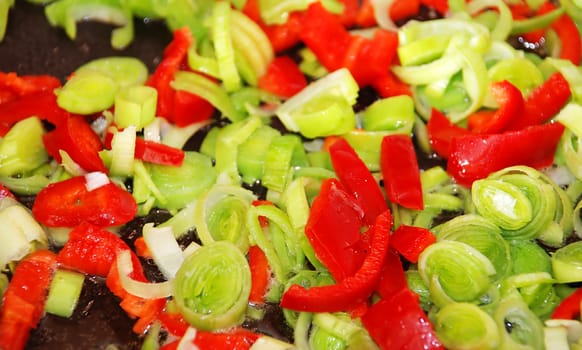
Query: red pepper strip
pixel 400 171
pixel 441 132
pixel 569 307
pixel 5 192
pixel 236 339
pixel 353 289
pixel 388 85
pixel 173 57
pixel 564 26
pixel 283 77
pixel 26 84
pixel 350 12
pixel 325 36
pixel 260 274
pixel 79 140
pixel 24 299
pixel 333 229
pixel 365 17
pixel 543 102
pixel 358 180
pixel 282 36
pixel 475 156
pixel 410 241
pixel 398 322
pixel 92 249
pixel 441 6
pixel 190 108
pixel 403 9
pixel 511 106
pixel 393 278
pixel 68 203
pixel 173 322
pixel 42 104
pixel 158 153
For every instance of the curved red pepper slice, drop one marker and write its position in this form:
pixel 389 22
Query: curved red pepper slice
pixel 42 104
pixel 358 180
pixel 236 339
pixel 474 156
pixel 13 86
pixel 260 274
pixel 23 301
pixel 398 322
pixel 441 132
pixel 565 27
pixel 511 106
pixel 333 229
pixel 68 203
pixel 400 171
pixel 543 102
pixel 351 290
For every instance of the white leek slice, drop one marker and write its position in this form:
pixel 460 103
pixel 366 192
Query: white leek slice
pixel 123 150
pixel 187 339
pixel 164 249
pixel 140 289
pixel 19 230
pixel 269 343
pixel 382 14
pixel 95 180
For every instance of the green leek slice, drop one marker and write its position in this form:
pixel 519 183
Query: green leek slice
pixel 22 149
pixel 466 326
pixel 64 292
pixel 212 287
pixel 567 263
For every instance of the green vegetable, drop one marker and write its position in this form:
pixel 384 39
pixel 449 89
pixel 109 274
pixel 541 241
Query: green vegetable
pixel 22 149
pixel 466 326
pixel 87 93
pixel 136 106
pixel 212 286
pixel 64 293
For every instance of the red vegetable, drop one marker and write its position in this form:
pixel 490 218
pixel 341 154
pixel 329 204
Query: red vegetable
pixel 76 137
pixel 12 85
pixel 400 171
pixel 543 102
pixel 333 229
pixel 511 106
pixel 569 307
pixel 398 322
pixel 441 6
pixel 5 192
pixel 42 104
pixel 153 152
pixel 260 274
pixel 189 109
pixel 410 241
pixel 392 279
pixel 474 157
pixel 567 30
pixel 353 289
pixel 24 299
pixel 68 203
pixel 441 132
pixel 388 85
pixel 404 9
pixel 283 77
pixel 236 339
pixel 358 180
pixel 365 17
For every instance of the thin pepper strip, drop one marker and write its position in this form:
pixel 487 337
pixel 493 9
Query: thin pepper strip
pixel 565 27
pixel 441 132
pixel 353 289
pixel 569 307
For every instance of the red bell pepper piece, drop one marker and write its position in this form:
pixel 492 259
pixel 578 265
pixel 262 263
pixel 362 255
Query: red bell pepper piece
pixel 158 153
pixel 388 85
pixel 79 140
pixel 543 102
pixel 358 180
pixel 92 249
pixel 260 274
pixel 236 339
pixel 365 17
pixel 283 77
pixel 569 307
pixel 441 132
pixel 393 278
pixel 173 322
pixel 42 104
pixel 511 106
pixel 68 203
pixel 410 241
pixel 474 157
pixel 350 12
pixel 12 85
pixel 400 171
pixel 189 109
pixel 24 299
pixel 333 229
pixel 403 9
pixel 353 289
pixel 398 322
pixel 565 27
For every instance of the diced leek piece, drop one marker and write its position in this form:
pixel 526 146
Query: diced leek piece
pixel 164 248
pixel 64 293
pixel 125 71
pixel 252 153
pixel 393 114
pixel 269 343
pixel 122 151
pixel 22 149
pixel 333 88
pixel 66 14
pixel 87 93
pixel 212 287
pixel 567 263
pixel 182 185
pixel 279 159
pixel 135 105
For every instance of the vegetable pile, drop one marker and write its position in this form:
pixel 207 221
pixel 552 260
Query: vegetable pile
pixel 387 174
